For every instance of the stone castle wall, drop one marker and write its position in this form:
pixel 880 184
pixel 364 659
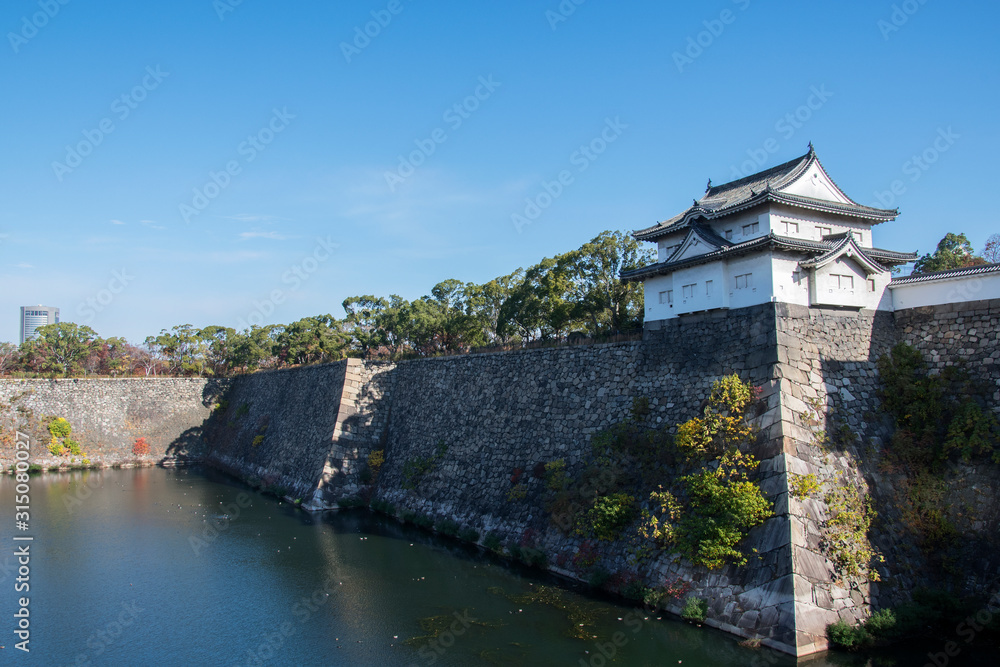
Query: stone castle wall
pixel 486 420
pixel 963 334
pixel 307 433
pixel 276 428
pixel 108 416
pixel 835 429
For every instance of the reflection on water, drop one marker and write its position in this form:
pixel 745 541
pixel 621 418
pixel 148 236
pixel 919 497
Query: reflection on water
pixel 184 567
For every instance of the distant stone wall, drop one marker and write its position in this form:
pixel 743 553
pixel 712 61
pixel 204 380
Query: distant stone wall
pixel 108 416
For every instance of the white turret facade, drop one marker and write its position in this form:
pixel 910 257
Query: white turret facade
pixel 786 234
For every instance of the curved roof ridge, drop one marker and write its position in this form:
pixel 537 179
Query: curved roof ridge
pixel 788 167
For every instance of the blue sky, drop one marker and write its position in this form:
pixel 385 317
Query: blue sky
pixel 224 162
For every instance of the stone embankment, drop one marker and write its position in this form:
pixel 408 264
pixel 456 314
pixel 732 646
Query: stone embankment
pixel 474 427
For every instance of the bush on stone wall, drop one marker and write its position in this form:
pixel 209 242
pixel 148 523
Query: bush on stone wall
pixel 695 610
pixel 59 427
pixel 517 492
pixel 608 516
pixel 140 447
pixel 803 486
pixel 447 527
pixel 417 467
pixel 846 535
pixel 723 504
pixel 710 502
pixel 492 541
pixel 939 417
pixel 722 425
pixel 555 475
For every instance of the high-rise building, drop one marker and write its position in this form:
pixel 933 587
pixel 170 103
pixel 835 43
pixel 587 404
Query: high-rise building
pixel 33 317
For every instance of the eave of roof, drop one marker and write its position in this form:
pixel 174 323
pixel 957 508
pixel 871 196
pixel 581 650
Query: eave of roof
pixel 949 274
pixel 846 245
pixel 878 256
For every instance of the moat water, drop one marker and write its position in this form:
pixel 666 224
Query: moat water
pixel 185 567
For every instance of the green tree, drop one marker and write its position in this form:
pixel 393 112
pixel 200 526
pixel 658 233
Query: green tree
pixel 253 348
pixel 393 322
pixel 459 327
pixel 485 302
pixel 218 343
pixel 607 302
pixel 363 313
pixel 953 252
pixel 312 340
pixel 541 305
pixel 61 348
pixel 181 349
pixel 424 326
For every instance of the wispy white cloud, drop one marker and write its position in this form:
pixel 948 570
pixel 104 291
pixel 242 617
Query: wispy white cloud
pixel 24 265
pixel 117 222
pixel 152 224
pixel 247 217
pixel 274 236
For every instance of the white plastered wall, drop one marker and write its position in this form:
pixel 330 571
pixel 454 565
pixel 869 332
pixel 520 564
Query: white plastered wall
pixel 949 290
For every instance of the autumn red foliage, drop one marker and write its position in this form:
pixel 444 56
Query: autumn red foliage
pixel 141 447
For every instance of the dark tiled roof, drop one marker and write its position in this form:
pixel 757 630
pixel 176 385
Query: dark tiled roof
pixel 891 256
pixel 744 188
pixel 950 273
pixel 785 243
pixel 756 189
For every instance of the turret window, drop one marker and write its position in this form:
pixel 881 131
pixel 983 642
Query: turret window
pixel 841 282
